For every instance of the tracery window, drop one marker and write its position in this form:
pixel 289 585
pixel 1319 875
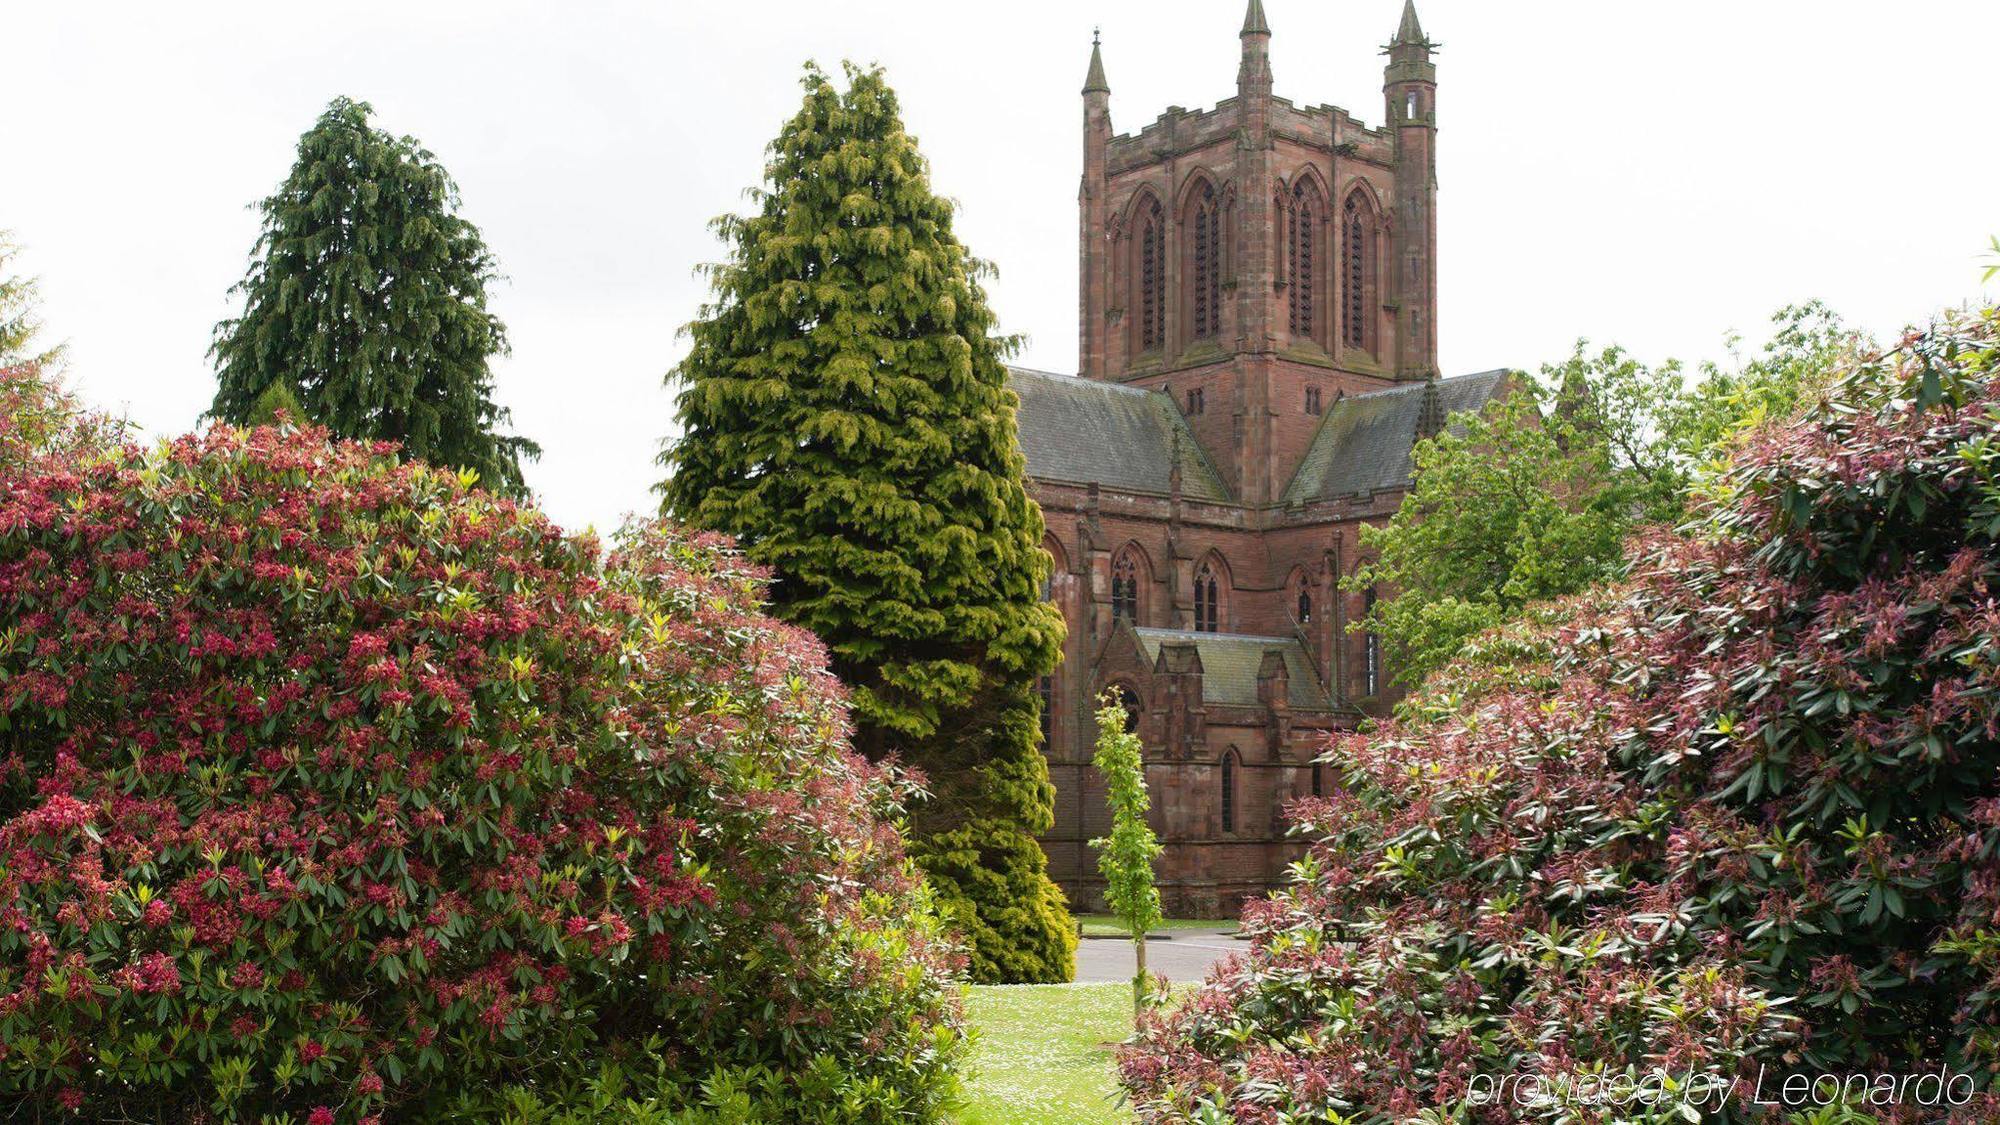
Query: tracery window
pixel 1125 589
pixel 1129 700
pixel 1152 275
pixel 1207 600
pixel 1207 296
pixel 1303 273
pixel 1229 790
pixel 1371 649
pixel 1355 247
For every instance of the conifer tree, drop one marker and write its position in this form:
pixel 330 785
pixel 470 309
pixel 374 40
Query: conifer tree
pixel 278 398
pixel 366 300
pixel 845 416
pixel 20 327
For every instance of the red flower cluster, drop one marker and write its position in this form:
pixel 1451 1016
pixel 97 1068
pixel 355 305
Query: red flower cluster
pixel 382 789
pixel 1739 816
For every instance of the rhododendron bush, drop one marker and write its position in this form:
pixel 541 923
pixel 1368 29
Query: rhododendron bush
pixel 334 789
pixel 1737 817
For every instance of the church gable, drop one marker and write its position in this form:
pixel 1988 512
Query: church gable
pixel 1363 445
pixel 1079 431
pixel 1231 665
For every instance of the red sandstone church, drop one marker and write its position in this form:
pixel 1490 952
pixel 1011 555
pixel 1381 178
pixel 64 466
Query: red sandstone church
pixel 1259 343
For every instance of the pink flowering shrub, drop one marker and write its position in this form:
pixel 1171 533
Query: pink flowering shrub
pixel 1738 818
pixel 335 790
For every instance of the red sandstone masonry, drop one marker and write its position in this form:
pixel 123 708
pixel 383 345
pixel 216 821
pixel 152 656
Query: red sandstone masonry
pixel 1272 166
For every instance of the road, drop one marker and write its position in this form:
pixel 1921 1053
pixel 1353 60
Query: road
pixel 1184 958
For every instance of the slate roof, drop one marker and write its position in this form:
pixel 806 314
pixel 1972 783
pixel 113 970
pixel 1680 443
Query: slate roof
pixel 1229 663
pixel 1363 444
pixel 1081 430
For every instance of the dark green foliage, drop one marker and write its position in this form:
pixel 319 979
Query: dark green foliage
pixel 1738 814
pixel 339 792
pixel 845 416
pixel 276 399
pixel 366 299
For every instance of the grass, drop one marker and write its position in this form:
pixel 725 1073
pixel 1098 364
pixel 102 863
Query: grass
pixel 1107 926
pixel 1042 1058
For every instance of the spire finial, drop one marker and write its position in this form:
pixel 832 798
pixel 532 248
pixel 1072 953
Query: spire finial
pixel 1254 22
pixel 1410 31
pixel 1430 414
pixel 1093 82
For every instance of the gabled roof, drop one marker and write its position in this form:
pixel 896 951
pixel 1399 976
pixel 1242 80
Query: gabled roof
pixel 1080 431
pixel 1230 661
pixel 1363 444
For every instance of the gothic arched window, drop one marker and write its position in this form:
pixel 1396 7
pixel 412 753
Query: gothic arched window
pixel 1305 606
pixel 1207 600
pixel 1229 790
pixel 1371 649
pixel 1303 238
pixel 1151 275
pixel 1354 246
pixel 1206 303
pixel 1129 700
pixel 1125 589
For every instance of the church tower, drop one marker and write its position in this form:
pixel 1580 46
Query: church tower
pixel 1409 89
pixel 1258 260
pixel 1258 338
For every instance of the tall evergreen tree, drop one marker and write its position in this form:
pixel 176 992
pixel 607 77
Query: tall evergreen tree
pixel 845 415
pixel 365 304
pixel 20 327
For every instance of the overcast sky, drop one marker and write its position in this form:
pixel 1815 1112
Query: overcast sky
pixel 1652 174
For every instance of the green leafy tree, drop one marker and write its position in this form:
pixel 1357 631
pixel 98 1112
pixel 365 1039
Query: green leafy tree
pixel 20 326
pixel 365 306
pixel 1508 507
pixel 1535 498
pixel 1125 858
pixel 845 416
pixel 1808 341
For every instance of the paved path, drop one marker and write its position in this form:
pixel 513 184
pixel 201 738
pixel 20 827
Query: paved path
pixel 1183 959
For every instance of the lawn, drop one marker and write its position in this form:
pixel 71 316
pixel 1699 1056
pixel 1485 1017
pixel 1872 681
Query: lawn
pixel 1042 1057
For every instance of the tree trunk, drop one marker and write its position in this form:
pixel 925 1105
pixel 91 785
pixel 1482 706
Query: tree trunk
pixel 1139 980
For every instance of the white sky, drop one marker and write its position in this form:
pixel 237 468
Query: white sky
pixel 1654 174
